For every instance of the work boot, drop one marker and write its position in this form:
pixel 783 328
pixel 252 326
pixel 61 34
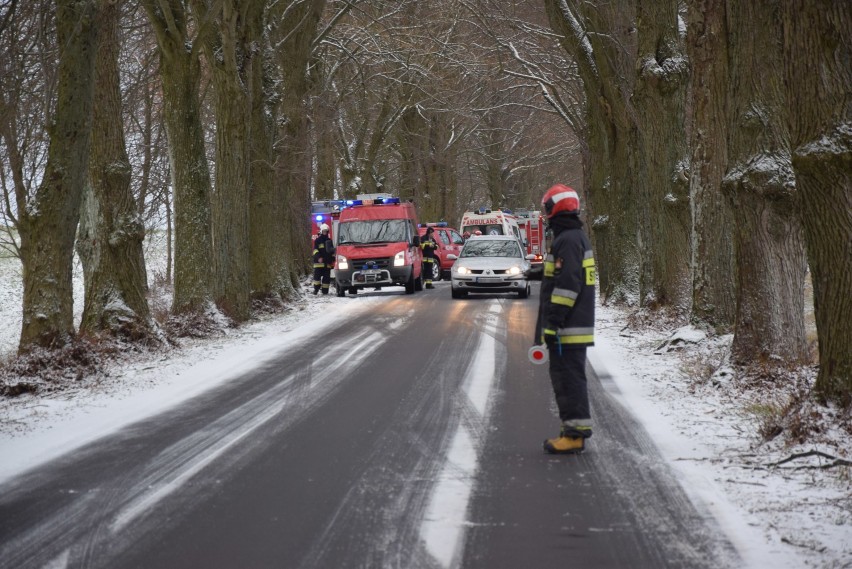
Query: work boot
pixel 568 442
pixel 316 291
pixel 429 285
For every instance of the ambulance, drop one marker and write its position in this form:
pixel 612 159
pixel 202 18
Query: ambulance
pixel 532 229
pixel 377 246
pixel 490 222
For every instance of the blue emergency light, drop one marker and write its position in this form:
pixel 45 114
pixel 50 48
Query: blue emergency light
pixel 318 218
pixel 376 201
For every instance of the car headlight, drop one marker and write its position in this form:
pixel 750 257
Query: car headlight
pixel 399 259
pixel 463 270
pixel 342 263
pixel 514 270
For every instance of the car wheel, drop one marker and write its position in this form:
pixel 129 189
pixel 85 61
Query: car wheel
pixel 458 294
pixel 525 292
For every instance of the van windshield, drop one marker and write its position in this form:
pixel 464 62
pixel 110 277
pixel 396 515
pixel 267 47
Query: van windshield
pixel 373 231
pixel 484 229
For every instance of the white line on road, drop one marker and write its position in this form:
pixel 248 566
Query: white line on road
pixel 445 520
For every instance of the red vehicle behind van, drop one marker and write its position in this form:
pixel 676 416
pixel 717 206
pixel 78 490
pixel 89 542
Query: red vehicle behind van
pixel 377 246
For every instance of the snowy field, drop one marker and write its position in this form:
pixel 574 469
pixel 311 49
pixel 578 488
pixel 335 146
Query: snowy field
pixel 781 510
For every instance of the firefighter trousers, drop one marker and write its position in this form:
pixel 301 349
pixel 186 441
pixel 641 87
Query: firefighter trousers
pixel 568 377
pixel 428 267
pixel 322 279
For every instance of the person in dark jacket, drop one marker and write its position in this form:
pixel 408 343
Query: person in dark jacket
pixel 429 246
pixel 566 318
pixel 323 260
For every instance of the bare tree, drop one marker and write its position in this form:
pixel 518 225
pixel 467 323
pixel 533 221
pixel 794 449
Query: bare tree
pixel 231 51
pixel 48 222
pixel 818 73
pixel 601 40
pixel 768 234
pixel 714 267
pixel 180 72
pixel 111 229
pixel 663 178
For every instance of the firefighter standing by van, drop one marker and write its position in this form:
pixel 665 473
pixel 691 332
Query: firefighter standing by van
pixel 427 243
pixel 323 260
pixel 566 318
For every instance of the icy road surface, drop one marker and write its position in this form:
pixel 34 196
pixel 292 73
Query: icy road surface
pixel 405 436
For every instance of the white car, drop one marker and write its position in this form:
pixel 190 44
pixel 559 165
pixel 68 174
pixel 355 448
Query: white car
pixel 491 264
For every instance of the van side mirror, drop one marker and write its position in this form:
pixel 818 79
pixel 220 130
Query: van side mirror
pixel 415 241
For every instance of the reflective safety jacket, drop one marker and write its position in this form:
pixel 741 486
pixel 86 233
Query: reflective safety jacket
pixel 323 252
pixel 429 246
pixel 567 304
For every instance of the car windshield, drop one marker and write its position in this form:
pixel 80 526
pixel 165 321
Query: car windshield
pixel 490 248
pixel 372 231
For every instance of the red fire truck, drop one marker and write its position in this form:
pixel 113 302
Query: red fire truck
pixel 328 212
pixel 532 229
pixel 377 246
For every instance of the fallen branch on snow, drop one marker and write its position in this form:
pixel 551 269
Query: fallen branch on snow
pixel 795 456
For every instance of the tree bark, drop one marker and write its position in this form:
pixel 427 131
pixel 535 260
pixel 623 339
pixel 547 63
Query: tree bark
pixel 818 73
pixel 113 232
pixel 663 181
pixel 180 73
pixel 714 267
pixel 268 243
pixel 230 54
pixel 48 225
pixel 768 233
pixel 602 42
pixel 293 161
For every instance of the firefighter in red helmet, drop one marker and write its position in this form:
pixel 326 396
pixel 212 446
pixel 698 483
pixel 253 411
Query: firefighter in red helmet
pixel 566 318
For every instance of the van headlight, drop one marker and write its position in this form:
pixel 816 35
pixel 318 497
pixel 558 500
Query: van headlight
pixel 342 263
pixel 399 259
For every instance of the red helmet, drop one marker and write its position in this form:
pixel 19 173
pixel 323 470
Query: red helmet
pixel 560 199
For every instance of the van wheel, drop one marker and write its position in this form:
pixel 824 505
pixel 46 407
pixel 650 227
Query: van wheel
pixel 418 283
pixel 436 271
pixel 410 285
pixel 341 292
pixel 353 291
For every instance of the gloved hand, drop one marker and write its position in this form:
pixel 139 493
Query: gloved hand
pixel 549 336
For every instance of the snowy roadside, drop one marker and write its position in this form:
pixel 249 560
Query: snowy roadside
pixel 705 427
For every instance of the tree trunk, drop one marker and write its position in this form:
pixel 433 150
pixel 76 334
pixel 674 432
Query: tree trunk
pixel 293 163
pixel 179 70
pixel 230 56
pixel 663 181
pixel 116 282
pixel 818 71
pixel 611 167
pixel 768 233
pixel 714 267
pixel 48 226
pixel 269 266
